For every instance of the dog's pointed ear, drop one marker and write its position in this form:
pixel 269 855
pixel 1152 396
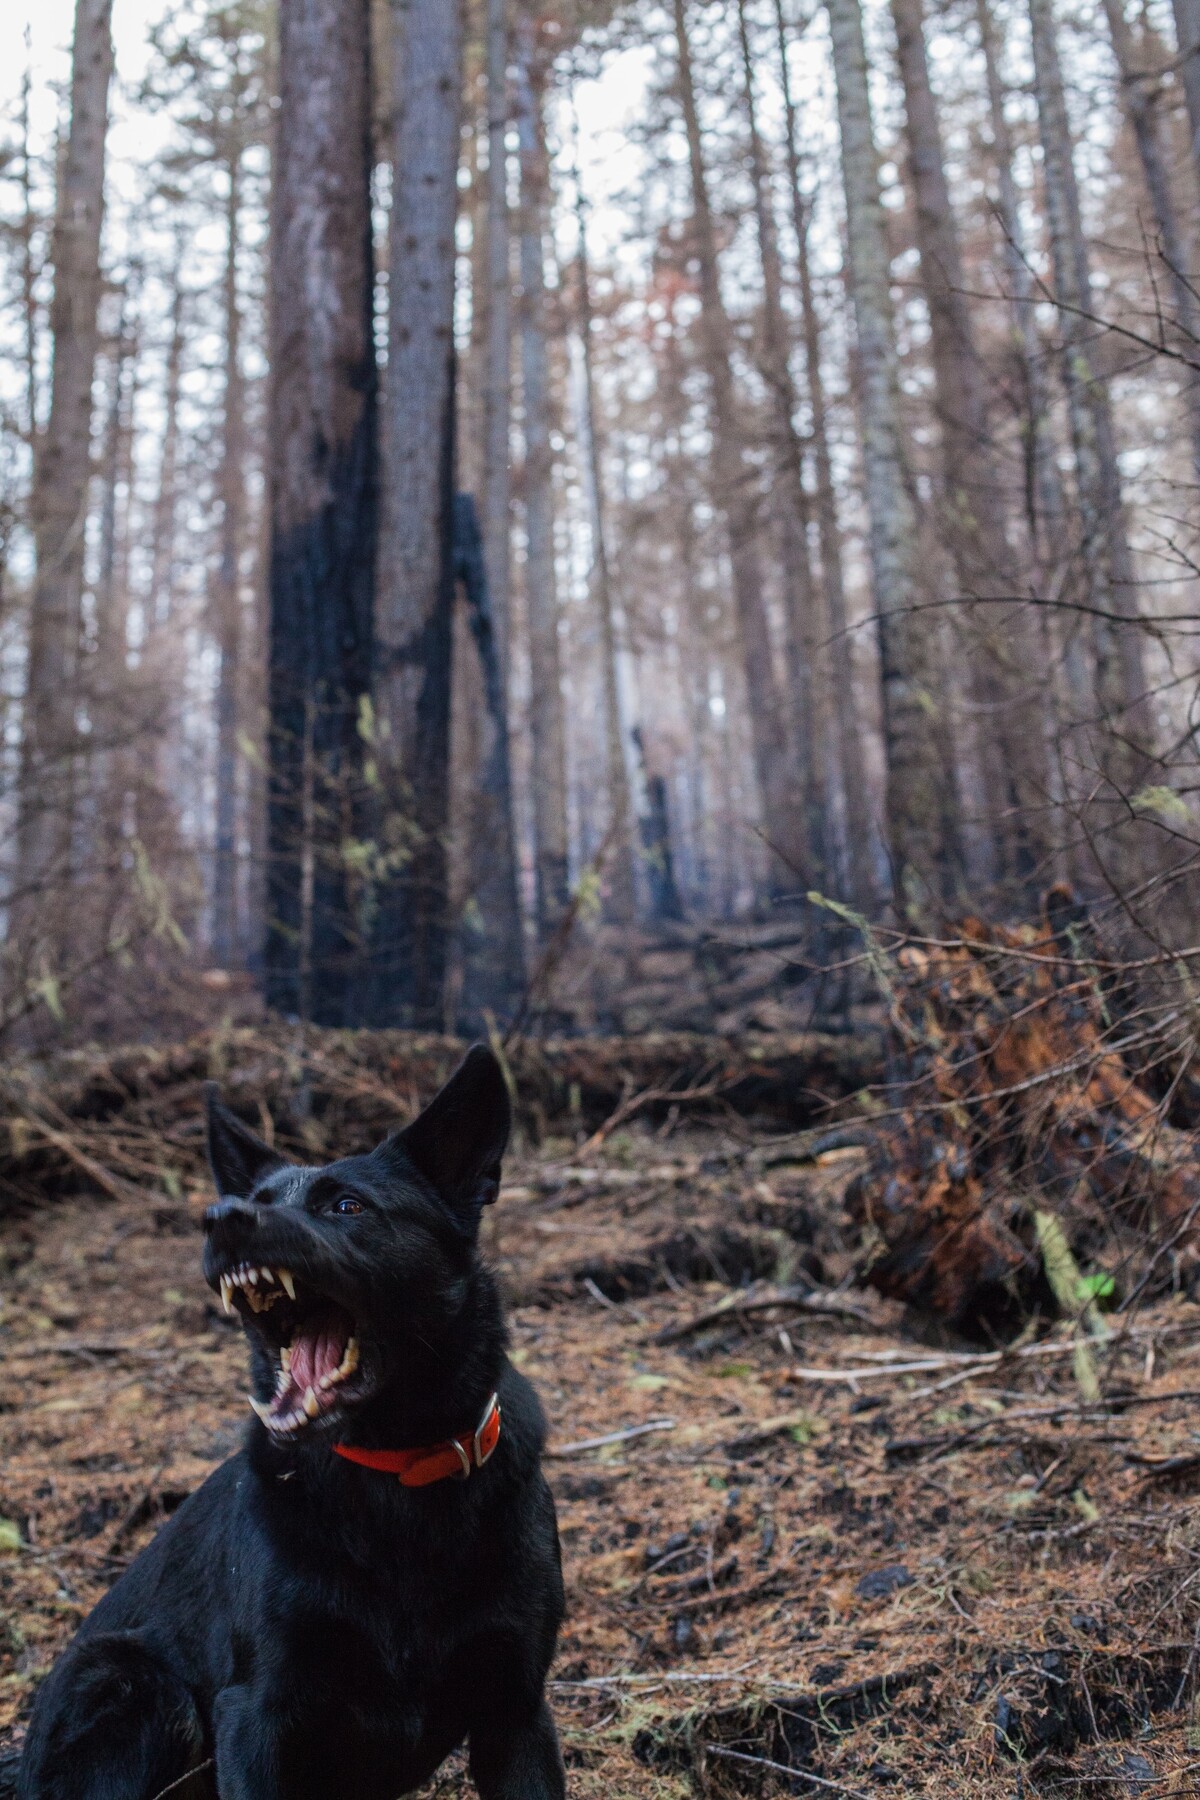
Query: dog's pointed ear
pixel 237 1158
pixel 458 1141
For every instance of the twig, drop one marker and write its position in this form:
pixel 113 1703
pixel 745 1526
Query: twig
pixel 806 1299
pixel 636 1103
pixel 764 1762
pixel 610 1437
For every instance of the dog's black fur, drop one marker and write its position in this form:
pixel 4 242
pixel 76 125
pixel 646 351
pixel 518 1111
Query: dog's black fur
pixel 311 1629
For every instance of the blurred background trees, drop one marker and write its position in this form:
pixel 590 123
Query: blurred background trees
pixel 477 481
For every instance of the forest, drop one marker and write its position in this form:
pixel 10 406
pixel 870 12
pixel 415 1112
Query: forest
pixel 663 535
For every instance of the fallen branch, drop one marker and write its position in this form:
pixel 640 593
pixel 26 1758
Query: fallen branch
pixel 654 1096
pixel 764 1762
pixel 610 1437
pixel 804 1299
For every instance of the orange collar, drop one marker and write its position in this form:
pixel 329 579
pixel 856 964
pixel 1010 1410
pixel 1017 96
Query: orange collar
pixel 434 1462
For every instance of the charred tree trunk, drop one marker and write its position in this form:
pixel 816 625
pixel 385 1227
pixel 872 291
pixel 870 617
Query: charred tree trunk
pixel 60 499
pixel 849 736
pixel 774 754
pixel 494 947
pixel 417 564
pixel 921 858
pixel 547 729
pixel 323 500
pixel 228 596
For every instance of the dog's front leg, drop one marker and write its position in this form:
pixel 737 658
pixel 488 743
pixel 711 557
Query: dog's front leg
pixel 245 1752
pixel 511 1761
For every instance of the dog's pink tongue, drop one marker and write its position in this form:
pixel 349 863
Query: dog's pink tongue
pixel 318 1354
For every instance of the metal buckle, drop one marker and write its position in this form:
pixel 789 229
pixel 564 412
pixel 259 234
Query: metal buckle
pixel 481 1455
pixel 464 1459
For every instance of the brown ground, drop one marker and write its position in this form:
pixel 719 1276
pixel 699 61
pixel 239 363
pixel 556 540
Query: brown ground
pixel 948 1581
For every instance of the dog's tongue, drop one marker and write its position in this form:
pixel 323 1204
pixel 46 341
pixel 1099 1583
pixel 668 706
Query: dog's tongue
pixel 316 1352
pixel 319 1353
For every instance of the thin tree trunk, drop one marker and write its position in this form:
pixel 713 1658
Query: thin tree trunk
pixel 1124 723
pixel 228 595
pixel 323 496
pixel 807 625
pixel 417 565
pixel 1000 647
pixel 1141 97
pixel 916 778
pixel 29 306
pixel 547 730
pixel 774 758
pixel 623 756
pixel 1045 509
pixel 494 955
pixel 852 767
pixel 60 496
pixel 163 522
pixel 1187 28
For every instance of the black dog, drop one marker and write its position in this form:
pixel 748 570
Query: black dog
pixel 307 1627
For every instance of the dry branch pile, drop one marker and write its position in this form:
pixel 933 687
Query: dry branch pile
pixel 1021 1083
pixel 85 1119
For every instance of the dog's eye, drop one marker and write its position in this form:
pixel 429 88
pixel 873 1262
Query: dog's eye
pixel 347 1205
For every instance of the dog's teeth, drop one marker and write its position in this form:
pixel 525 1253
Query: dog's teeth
pixel 285 1355
pixel 286 1282
pixel 311 1407
pixel 227 1293
pixel 349 1360
pixel 261 1408
pixel 252 1276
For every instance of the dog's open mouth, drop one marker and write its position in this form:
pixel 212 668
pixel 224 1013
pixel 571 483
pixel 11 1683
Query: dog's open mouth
pixel 312 1335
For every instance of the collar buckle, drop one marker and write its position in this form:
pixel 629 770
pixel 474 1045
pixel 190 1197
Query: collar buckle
pixel 487 1433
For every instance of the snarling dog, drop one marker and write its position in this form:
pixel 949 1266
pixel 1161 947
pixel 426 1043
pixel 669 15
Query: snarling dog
pixel 374 1578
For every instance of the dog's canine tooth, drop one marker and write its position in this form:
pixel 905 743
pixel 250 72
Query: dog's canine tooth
pixel 261 1408
pixel 227 1293
pixel 286 1282
pixel 349 1360
pixel 311 1407
pixel 285 1356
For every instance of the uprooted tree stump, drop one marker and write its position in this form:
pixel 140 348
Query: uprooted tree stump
pixel 1015 1090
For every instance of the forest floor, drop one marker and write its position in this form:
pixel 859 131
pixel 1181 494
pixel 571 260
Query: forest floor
pixel 939 1576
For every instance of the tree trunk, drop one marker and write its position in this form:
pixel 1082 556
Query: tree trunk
pixel 1044 506
pixel 547 730
pixel 1001 654
pixel 774 758
pixel 417 565
pixel 228 597
pixel 851 765
pixel 921 858
pixel 1141 98
pixel 807 625
pixel 323 498
pixel 1187 28
pixel 60 498
pixel 163 524
pixel 1124 725
pixel 494 953
pixel 623 756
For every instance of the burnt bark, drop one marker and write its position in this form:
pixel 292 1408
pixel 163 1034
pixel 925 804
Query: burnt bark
pixel 416 597
pixel 323 504
pixel 493 944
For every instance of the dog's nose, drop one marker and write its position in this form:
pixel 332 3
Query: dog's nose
pixel 233 1215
